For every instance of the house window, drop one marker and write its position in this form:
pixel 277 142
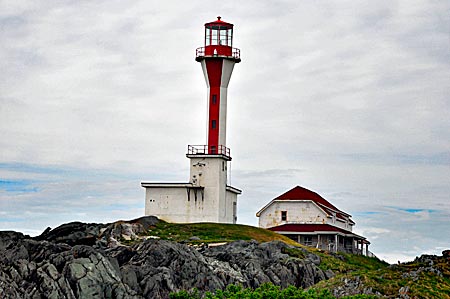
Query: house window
pixel 307 240
pixel 213 124
pixel 214 99
pixel 283 215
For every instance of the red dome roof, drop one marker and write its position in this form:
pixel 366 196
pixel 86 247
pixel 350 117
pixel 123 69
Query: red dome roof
pixel 219 22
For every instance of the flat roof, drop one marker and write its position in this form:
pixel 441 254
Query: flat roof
pixel 167 185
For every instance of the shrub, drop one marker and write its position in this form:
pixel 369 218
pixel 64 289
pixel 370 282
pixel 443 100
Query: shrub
pixel 265 291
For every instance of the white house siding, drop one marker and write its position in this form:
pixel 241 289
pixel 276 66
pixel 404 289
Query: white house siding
pixel 297 212
pixel 340 223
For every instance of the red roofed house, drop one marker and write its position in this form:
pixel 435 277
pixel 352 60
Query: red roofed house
pixel 309 219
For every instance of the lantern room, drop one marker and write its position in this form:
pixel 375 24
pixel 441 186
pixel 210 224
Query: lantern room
pixel 218 41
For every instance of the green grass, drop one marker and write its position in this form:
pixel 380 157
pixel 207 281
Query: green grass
pixel 385 279
pixel 214 233
pixel 294 252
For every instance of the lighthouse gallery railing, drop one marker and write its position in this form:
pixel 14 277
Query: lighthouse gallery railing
pixel 208 150
pixel 235 53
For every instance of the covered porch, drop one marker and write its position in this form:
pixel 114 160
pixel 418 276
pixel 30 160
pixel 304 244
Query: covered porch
pixel 332 242
pixel 325 237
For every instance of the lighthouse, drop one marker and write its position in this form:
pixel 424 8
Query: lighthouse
pixel 217 58
pixel 207 197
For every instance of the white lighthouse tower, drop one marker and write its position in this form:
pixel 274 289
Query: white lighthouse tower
pixel 206 197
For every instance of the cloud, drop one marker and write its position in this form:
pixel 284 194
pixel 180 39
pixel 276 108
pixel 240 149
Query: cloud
pixel 55 195
pixel 419 159
pixel 269 173
pixel 347 99
pixel 406 232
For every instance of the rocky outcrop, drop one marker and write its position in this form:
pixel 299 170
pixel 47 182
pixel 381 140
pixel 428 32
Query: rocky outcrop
pixel 251 264
pixel 78 260
pixel 97 234
pixel 353 286
pixel 42 269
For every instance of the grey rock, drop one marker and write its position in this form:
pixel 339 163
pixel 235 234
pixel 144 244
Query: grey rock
pixel 74 233
pixel 78 260
pixel 260 263
pixel 403 292
pixel 313 258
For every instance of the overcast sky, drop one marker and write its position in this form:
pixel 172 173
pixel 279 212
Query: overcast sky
pixel 350 99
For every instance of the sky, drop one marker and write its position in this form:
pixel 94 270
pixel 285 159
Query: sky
pixel 350 99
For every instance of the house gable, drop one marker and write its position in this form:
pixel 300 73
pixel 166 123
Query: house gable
pixel 299 211
pixel 300 205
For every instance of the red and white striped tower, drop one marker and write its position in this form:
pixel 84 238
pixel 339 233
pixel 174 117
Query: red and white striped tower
pixel 217 58
pixel 208 171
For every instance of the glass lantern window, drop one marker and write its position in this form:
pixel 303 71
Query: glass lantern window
pixel 207 36
pixel 214 37
pixel 223 39
pixel 218 35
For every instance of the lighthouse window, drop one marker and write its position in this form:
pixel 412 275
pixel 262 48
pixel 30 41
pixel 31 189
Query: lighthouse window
pixel 214 99
pixel 213 124
pixel 214 40
pixel 229 35
pixel 207 37
pixel 223 37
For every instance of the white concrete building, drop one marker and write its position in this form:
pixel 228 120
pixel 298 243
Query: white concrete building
pixel 206 197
